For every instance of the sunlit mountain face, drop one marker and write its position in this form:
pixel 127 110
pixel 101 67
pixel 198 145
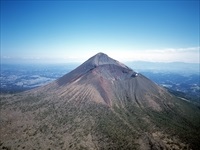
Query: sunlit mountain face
pixel 181 79
pixel 101 104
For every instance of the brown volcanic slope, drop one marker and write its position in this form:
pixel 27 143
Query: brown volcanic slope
pixel 102 104
pixel 105 80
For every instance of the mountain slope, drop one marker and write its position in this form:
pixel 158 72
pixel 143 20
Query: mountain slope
pixel 110 81
pixel 102 104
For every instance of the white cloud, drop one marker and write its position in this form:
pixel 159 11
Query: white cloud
pixel 190 55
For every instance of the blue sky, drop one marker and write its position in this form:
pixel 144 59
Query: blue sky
pixel 61 31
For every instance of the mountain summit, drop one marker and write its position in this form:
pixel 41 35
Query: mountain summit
pixel 107 80
pixel 103 59
pixel 102 104
pixel 100 64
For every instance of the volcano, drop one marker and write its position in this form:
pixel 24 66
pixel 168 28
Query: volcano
pixel 102 104
pixel 109 82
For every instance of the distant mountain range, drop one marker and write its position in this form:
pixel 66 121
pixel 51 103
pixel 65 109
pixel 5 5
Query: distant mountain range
pixel 102 104
pixel 173 67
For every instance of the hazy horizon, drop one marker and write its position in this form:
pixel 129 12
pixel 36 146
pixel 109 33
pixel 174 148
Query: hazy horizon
pixel 80 61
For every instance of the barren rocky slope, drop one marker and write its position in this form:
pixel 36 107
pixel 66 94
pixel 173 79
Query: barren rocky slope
pixel 102 104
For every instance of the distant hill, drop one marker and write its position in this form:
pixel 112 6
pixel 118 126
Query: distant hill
pixel 102 104
pixel 173 67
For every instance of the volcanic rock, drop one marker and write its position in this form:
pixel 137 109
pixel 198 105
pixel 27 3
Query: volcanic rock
pixel 102 104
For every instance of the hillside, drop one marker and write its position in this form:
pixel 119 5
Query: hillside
pixel 102 104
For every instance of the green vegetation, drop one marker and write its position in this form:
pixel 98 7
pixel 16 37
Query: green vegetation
pixel 183 122
pixel 82 125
